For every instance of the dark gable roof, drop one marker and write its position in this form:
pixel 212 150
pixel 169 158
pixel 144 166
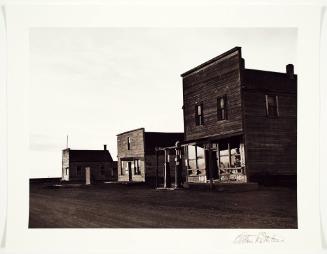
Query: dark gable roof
pixel 269 81
pixel 89 156
pixel 161 139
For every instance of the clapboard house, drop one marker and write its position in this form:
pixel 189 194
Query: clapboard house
pixel 97 165
pixel 240 124
pixel 138 160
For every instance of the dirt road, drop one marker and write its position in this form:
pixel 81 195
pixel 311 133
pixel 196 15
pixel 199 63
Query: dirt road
pixel 121 206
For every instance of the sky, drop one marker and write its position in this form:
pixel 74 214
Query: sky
pixel 93 83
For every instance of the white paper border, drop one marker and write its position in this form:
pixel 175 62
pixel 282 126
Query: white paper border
pixel 20 18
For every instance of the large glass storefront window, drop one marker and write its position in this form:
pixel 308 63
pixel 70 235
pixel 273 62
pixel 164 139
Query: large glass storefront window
pixel 195 160
pixel 192 157
pixel 227 160
pixel 135 167
pixel 200 157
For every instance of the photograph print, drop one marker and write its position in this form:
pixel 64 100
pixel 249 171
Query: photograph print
pixel 163 128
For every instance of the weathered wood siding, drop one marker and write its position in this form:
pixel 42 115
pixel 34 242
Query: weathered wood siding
pixel 271 143
pixel 151 166
pixel 159 139
pixel 96 168
pixel 205 85
pixel 136 151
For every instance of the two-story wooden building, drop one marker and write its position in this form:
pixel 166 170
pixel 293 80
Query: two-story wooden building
pixel 97 164
pixel 137 157
pixel 240 124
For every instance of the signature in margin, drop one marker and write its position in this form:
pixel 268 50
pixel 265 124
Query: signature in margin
pixel 261 237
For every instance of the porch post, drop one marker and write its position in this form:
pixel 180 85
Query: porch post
pixel 178 170
pixel 167 180
pixel 218 159
pixel 210 164
pixel 157 166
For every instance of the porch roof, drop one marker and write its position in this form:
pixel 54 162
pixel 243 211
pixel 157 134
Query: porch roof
pixel 212 138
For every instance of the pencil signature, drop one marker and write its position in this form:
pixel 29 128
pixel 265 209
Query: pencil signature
pixel 261 237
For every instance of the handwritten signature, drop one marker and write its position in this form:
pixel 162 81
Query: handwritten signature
pixel 261 237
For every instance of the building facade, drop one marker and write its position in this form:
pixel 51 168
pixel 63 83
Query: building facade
pixel 137 157
pixel 240 124
pixel 76 164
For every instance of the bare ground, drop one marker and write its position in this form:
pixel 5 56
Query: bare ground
pixel 139 206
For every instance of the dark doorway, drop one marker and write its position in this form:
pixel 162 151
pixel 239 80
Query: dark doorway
pixel 214 164
pixel 129 171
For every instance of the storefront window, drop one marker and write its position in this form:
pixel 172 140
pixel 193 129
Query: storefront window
pixel 196 159
pixel 224 159
pixel 124 167
pixel 192 156
pixel 200 158
pixel 137 170
pixel 235 157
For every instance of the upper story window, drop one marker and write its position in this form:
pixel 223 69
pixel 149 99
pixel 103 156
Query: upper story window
pixel 128 143
pixel 272 106
pixel 199 114
pixel 222 108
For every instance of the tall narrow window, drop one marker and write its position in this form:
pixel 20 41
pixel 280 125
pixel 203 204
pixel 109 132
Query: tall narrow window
pixel 222 108
pixel 128 143
pixel 272 106
pixel 199 114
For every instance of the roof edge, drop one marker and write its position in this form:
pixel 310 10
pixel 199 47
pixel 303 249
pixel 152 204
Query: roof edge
pixel 159 132
pixel 211 61
pixel 273 72
pixel 131 131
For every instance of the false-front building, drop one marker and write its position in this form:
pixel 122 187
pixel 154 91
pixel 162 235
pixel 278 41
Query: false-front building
pixel 97 165
pixel 240 124
pixel 137 157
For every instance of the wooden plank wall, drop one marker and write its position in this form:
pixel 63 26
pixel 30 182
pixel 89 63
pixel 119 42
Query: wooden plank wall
pixel 136 151
pixel 271 143
pixel 206 85
pixel 95 171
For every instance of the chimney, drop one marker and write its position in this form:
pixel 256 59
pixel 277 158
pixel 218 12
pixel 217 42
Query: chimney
pixel 242 64
pixel 105 147
pixel 290 71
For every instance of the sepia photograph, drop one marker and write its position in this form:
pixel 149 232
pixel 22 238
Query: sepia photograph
pixel 167 127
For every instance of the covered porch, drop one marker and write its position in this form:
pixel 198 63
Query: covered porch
pixel 217 160
pixel 208 161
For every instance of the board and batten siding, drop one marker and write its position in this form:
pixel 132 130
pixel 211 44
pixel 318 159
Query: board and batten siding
pixel 204 85
pixel 271 143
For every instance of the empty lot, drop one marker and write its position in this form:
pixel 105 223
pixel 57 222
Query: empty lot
pixel 125 206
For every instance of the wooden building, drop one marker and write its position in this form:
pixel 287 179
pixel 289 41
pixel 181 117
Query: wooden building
pixel 137 157
pixel 97 165
pixel 240 124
